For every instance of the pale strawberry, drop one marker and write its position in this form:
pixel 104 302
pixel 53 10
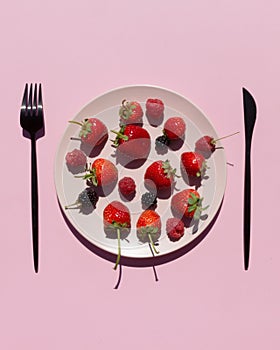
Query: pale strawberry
pixel 174 128
pixel 130 113
pixel 207 145
pixel 187 204
pixel 93 131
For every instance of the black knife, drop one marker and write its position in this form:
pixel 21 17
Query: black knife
pixel 250 113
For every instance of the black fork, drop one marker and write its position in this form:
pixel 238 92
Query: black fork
pixel 32 122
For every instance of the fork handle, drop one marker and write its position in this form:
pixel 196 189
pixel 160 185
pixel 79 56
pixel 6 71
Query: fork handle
pixel 34 196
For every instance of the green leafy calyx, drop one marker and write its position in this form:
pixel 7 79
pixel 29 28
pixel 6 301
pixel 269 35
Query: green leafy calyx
pixel 91 175
pixel 126 109
pixel 202 170
pixel 168 170
pixel 120 136
pixel 195 205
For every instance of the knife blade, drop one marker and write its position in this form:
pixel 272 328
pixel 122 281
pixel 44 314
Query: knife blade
pixel 250 114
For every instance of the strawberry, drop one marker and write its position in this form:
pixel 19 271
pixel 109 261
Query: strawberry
pixel 116 219
pixel 187 204
pixel 132 142
pixel 130 113
pixel 159 175
pixel 93 132
pixel 154 108
pixel 149 227
pixel 174 128
pixel 206 145
pixel 174 229
pixel 102 173
pixel 193 164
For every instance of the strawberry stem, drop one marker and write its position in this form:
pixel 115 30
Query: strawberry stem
pixel 79 176
pixel 75 122
pixel 152 244
pixel 154 269
pixel 119 248
pixel 75 138
pixel 76 205
pixel 120 135
pixel 224 137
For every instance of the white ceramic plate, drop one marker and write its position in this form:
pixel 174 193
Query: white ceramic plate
pixel 106 107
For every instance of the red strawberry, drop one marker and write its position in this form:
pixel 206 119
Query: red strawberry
pixel 154 108
pixel 93 132
pixel 174 128
pixel 159 175
pixel 193 164
pixel 175 229
pixel 149 227
pixel 187 204
pixel 206 145
pixel 132 142
pixel 103 173
pixel 127 187
pixel 116 220
pixel 130 113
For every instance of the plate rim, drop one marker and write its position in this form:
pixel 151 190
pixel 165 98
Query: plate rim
pixel 72 222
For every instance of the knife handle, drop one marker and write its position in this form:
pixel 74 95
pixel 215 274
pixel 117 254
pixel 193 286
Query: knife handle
pixel 247 207
pixel 34 201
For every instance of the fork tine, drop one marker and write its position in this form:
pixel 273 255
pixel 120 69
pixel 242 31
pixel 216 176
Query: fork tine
pixel 24 99
pixel 40 104
pixel 30 99
pixel 35 99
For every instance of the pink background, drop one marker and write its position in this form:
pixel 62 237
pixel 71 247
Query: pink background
pixel 205 50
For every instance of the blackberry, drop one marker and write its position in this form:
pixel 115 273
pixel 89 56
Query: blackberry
pixel 86 201
pixel 88 198
pixel 162 141
pixel 148 200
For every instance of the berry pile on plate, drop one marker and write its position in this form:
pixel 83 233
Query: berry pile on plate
pixel 132 145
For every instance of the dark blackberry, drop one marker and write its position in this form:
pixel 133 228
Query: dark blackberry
pixel 148 200
pixel 88 198
pixel 162 141
pixel 86 201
